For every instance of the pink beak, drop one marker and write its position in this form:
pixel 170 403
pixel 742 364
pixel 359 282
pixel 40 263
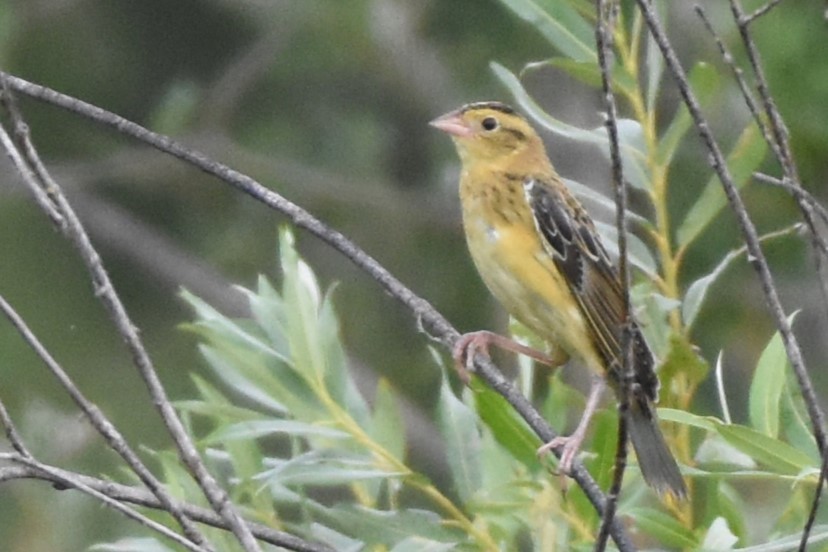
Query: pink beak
pixel 452 123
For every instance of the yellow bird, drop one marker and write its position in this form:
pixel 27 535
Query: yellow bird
pixel 538 252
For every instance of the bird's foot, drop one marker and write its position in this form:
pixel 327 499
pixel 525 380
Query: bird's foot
pixel 469 344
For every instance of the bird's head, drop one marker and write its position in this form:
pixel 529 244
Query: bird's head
pixel 489 131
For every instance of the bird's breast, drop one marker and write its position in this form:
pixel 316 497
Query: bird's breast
pixel 514 265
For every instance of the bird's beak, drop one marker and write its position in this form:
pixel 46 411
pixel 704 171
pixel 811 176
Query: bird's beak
pixel 452 123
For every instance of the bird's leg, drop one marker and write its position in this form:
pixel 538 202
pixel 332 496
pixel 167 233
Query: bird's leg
pixel 572 444
pixel 478 342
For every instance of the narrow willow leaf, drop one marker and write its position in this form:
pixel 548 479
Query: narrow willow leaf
pixel 302 298
pixel 704 80
pixel 133 544
pixel 682 360
pixel 268 310
pixel 212 323
pixel 708 423
pixel 458 424
pixel 421 544
pixel 390 527
pixel 743 159
pixel 585 193
pixel 589 73
pixel 387 426
pixel 562 26
pixel 719 536
pixel 630 133
pixel 234 367
pixel 769 452
pixel 715 451
pixel 768 385
pixel 338 378
pixel 668 530
pixel 337 540
pixel 795 423
pixel 654 62
pixel 254 429
pixel 819 533
pixel 637 253
pixel 324 470
pixel 508 429
pixel 697 292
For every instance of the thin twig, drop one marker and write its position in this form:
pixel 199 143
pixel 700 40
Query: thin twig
pixel 758 12
pixel 104 290
pixel 780 150
pixel 65 481
pixel 606 15
pixel 11 433
pixel 796 191
pixel 791 174
pixel 756 256
pixel 99 421
pixel 433 323
pixel 142 497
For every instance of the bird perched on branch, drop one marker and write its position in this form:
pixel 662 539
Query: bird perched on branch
pixel 538 252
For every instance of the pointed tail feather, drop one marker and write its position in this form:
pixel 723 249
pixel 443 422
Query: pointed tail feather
pixel 657 464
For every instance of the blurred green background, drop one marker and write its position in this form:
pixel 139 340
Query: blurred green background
pixel 327 103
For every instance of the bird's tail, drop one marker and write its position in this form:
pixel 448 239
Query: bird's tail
pixel 657 464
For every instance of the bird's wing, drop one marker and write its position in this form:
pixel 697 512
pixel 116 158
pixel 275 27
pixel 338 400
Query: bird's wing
pixel 570 238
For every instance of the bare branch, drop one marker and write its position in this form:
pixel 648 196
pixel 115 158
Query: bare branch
pixel 107 430
pixel 73 230
pixel 606 14
pixel 756 256
pixel 66 480
pixel 141 497
pixel 433 323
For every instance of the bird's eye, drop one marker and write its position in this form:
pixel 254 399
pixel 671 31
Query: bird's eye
pixel 489 123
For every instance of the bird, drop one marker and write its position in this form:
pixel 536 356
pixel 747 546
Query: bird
pixel 538 252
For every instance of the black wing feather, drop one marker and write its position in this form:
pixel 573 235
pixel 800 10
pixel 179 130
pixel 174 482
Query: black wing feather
pixel 569 236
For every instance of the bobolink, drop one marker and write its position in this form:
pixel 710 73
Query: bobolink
pixel 538 252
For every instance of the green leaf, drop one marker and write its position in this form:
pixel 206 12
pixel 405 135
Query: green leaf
pixel 768 386
pixel 421 544
pixel 707 423
pixel 560 25
pixel 654 62
pixel 387 426
pixel 254 429
pixel 302 299
pixel 390 527
pixel 682 359
pixel 336 539
pixel 704 80
pixel 697 292
pixel 133 544
pixel 244 372
pixel 744 158
pixel 719 536
pixel 340 384
pixel 770 452
pixel 507 427
pixel 212 324
pixel 589 73
pixel 458 424
pixel 630 133
pixel 319 469
pixel 637 253
pixel 669 531
pixel 796 425
pixel 268 310
pixel 819 533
